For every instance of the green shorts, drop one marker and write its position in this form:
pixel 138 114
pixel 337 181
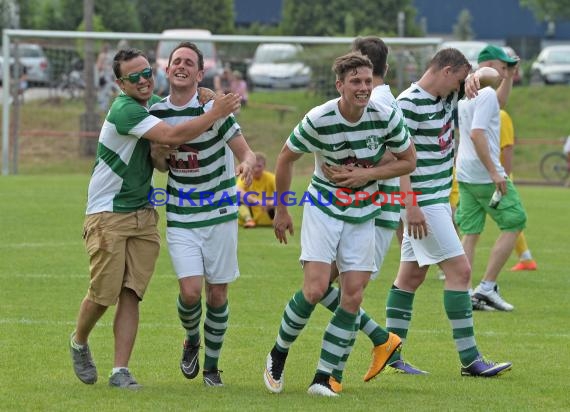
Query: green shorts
pixel 473 208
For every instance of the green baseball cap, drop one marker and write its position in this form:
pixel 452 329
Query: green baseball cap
pixel 491 52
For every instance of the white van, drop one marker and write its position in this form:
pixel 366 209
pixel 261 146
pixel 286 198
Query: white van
pixel 171 38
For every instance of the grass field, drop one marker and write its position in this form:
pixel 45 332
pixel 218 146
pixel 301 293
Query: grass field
pixel 44 276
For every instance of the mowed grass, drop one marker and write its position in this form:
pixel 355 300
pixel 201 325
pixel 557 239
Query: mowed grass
pixel 44 276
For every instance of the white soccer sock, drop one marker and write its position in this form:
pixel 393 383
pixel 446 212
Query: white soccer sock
pixel 526 255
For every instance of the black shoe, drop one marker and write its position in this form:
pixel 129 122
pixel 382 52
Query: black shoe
pixel 213 378
pixel 189 364
pixel 480 304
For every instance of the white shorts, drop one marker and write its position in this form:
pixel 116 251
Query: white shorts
pixel 441 243
pixel 326 239
pixel 383 240
pixel 209 251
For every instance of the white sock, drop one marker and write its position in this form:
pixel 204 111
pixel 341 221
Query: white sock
pixel 76 345
pixel 525 255
pixel 115 370
pixel 487 285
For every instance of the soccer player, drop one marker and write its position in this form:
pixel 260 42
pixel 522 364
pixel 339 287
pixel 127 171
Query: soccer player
pixel 385 224
pixel 201 212
pixel 481 176
pixel 120 230
pixel 353 131
pixel 429 235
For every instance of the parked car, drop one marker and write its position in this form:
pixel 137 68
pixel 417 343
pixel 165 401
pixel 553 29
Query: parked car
pixel 278 65
pixel 470 49
pixel 212 63
pixel 33 58
pixel 552 66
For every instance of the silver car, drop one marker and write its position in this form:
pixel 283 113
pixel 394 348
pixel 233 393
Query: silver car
pixel 278 65
pixel 552 66
pixel 32 57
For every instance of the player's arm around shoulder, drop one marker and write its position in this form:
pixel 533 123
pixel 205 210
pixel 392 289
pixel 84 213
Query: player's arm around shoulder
pixel 222 107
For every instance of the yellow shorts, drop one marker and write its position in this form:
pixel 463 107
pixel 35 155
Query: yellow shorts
pixel 123 249
pixel 454 194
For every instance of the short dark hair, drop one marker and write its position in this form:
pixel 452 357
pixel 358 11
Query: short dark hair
pixel 350 62
pixel 376 50
pixel 192 46
pixel 124 55
pixel 449 57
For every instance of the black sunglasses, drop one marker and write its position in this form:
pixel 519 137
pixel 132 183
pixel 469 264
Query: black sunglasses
pixel 135 77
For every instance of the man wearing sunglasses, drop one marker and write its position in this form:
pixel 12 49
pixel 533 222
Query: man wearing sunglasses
pixel 202 212
pixel 120 229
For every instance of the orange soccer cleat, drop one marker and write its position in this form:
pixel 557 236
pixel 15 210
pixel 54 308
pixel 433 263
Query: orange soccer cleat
pixel 524 265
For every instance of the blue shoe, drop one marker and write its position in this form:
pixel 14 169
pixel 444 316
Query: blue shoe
pixel 401 366
pixel 485 368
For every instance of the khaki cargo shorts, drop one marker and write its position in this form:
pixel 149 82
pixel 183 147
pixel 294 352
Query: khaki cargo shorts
pixel 123 249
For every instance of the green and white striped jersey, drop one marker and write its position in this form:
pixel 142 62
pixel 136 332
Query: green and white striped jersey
pixel 201 180
pixel 122 175
pixel 390 216
pixel 334 140
pixel 430 122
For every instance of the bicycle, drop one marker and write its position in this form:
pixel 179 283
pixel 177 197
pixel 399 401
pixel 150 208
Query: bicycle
pixel 554 167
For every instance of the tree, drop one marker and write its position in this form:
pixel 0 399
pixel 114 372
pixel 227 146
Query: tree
pixel 462 30
pixel 548 10
pixel 214 15
pixel 328 17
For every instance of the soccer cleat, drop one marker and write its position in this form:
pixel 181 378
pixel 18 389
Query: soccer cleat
pixel 492 298
pixel 481 305
pixel 524 265
pixel 321 387
pixel 213 378
pixel 249 224
pixel 273 375
pixel 189 364
pixel 124 380
pixel 381 354
pixel 401 366
pixel 83 364
pixel 485 368
pixel 335 385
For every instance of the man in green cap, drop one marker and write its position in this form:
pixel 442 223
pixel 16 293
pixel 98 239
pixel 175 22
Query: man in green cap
pixel 484 186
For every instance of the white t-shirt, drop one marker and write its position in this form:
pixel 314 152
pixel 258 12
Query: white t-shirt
pixel 481 112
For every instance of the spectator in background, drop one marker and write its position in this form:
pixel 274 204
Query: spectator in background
pixel 223 82
pixel 22 82
pixel 104 75
pixel 260 190
pixel 161 86
pixel 239 86
pixel 567 151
